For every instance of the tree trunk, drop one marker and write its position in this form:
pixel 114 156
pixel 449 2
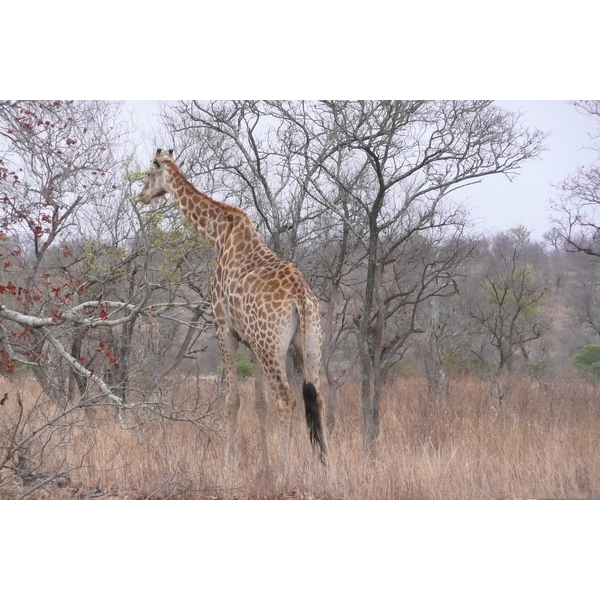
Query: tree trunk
pixel 435 372
pixel 370 354
pixel 76 378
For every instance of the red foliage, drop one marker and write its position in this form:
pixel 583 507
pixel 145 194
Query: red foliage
pixel 6 363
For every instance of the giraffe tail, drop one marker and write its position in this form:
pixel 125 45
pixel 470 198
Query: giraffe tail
pixel 313 415
pixel 312 403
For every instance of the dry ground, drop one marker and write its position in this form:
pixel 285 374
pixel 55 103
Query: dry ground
pixel 543 442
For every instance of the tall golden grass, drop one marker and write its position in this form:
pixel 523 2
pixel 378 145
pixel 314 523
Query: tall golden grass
pixel 542 442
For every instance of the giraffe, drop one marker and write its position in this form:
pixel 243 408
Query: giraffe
pixel 258 299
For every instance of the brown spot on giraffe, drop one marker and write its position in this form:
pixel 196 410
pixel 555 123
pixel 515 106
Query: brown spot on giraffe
pixel 257 298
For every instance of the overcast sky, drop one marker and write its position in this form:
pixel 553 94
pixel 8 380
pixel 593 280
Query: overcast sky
pixel 497 203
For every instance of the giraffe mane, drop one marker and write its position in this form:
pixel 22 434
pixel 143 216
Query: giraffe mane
pixel 170 162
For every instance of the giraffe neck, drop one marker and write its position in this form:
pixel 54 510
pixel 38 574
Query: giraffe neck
pixel 212 219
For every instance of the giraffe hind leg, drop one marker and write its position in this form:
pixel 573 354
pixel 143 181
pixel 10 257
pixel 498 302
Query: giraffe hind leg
pixel 280 391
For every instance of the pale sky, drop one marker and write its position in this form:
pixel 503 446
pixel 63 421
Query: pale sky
pixel 500 203
pixel 497 203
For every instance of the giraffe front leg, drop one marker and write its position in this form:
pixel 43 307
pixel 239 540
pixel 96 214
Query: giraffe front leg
pixel 229 344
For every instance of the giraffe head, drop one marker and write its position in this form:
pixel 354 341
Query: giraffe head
pixel 158 182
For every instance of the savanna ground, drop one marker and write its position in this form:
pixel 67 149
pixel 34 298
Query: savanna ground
pixel 543 442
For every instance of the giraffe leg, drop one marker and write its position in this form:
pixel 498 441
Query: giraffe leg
pixel 280 389
pixel 229 344
pixel 260 399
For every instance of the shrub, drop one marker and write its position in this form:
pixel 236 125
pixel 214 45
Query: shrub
pixel 243 366
pixel 588 358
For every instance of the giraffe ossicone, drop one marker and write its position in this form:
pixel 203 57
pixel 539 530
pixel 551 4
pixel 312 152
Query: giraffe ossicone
pixel 258 299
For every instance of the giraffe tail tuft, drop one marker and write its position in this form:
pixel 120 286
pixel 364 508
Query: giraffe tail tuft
pixel 313 416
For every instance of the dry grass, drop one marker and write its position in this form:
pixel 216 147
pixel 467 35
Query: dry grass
pixel 542 443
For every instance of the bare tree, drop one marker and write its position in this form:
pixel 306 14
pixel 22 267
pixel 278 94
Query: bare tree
pixel 448 330
pixel 583 294
pixel 331 261
pixel 559 261
pixel 575 211
pixel 411 156
pixel 576 229
pixel 507 304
